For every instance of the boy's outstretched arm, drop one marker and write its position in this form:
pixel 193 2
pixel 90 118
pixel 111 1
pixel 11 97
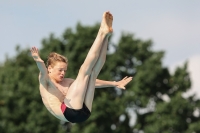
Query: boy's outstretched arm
pixel 119 84
pixel 40 63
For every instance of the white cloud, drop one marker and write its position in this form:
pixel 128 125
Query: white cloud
pixel 194 70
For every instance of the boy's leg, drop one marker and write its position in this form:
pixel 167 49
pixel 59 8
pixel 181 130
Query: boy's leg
pixel 76 93
pixel 89 96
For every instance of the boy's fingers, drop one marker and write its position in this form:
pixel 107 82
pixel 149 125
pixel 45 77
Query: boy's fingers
pixel 125 78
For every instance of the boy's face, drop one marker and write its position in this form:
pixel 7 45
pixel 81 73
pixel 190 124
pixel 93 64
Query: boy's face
pixel 58 71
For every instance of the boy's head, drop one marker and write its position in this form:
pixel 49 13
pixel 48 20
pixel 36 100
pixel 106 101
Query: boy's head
pixel 57 66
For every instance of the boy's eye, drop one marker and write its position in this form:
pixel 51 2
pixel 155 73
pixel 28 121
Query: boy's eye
pixel 60 70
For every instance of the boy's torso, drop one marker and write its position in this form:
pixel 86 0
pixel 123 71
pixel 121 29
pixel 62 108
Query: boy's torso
pixel 53 95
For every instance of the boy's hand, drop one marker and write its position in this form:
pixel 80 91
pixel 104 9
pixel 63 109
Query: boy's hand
pixel 122 83
pixel 35 54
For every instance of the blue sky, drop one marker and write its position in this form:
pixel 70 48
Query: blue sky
pixel 173 26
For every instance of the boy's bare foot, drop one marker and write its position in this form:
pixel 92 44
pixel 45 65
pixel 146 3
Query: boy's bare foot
pixel 106 24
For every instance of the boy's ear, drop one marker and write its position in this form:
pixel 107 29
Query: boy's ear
pixel 49 68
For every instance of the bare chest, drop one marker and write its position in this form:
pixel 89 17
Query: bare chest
pixel 55 91
pixel 58 90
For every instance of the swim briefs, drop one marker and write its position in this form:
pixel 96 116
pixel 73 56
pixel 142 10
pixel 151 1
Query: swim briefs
pixel 74 115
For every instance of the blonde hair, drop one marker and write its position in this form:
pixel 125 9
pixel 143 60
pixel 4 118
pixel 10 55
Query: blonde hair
pixel 55 57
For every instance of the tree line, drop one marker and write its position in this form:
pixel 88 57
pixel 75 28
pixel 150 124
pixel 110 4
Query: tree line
pixel 154 95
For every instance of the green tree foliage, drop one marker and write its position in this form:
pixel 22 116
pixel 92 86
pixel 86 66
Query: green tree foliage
pixel 175 114
pixel 21 108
